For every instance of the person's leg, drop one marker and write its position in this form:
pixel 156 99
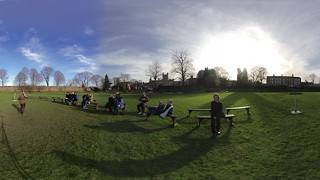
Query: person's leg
pixel 213 126
pixel 138 107
pixel 218 125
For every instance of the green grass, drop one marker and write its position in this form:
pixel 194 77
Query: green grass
pixel 54 141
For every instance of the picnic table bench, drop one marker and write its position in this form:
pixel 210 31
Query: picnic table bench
pixel 57 99
pixel 191 110
pixel 93 106
pixel 227 116
pixel 247 108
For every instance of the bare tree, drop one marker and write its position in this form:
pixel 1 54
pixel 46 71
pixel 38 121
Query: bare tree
pixel 83 78
pixel 182 64
pixel 221 72
pixel 313 77
pixel 59 78
pixel 35 77
pixel 258 74
pixel 3 76
pixel 154 70
pixel 21 79
pixel 124 77
pixel 46 73
pixel 96 80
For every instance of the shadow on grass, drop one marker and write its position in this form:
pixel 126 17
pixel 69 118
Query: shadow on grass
pixel 194 149
pixel 124 126
pixel 16 107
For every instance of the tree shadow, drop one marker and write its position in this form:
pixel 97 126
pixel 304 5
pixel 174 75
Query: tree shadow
pixel 192 149
pixel 124 126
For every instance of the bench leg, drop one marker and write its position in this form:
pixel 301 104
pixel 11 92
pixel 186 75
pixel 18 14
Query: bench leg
pixel 199 122
pixel 228 111
pixel 231 122
pixel 173 122
pixel 248 112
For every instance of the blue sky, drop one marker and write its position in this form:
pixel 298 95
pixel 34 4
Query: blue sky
pixel 125 36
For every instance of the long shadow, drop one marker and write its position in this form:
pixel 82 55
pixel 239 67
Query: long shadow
pixel 124 126
pixel 193 150
pixel 16 107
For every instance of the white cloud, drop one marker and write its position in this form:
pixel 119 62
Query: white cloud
pixel 33 50
pixel 27 52
pixel 77 53
pixel 88 31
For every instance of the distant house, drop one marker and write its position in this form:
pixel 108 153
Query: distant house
pixel 284 81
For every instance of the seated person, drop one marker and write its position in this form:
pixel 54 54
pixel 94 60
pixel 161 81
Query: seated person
pixel 156 110
pixel 120 104
pixel 74 98
pixel 68 100
pixel 163 111
pixel 143 100
pixel 110 106
pixel 85 101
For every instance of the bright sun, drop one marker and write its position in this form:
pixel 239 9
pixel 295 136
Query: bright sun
pixel 244 48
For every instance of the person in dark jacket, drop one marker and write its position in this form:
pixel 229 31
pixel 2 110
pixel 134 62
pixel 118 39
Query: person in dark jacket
pixel 143 100
pixel 216 115
pixel 110 106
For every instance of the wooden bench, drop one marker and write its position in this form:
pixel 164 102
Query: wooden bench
pixel 247 108
pixel 228 117
pixel 93 106
pixel 57 99
pixel 43 98
pixel 200 110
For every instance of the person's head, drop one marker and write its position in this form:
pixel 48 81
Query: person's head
pixel 216 98
pixel 170 101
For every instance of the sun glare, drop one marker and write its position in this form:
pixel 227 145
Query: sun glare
pixel 244 48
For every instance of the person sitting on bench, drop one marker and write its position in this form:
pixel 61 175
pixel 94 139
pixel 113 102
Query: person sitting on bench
pixel 85 101
pixel 156 110
pixel 163 111
pixel 120 104
pixel 110 106
pixel 143 100
pixel 68 98
pixel 216 115
pixel 74 98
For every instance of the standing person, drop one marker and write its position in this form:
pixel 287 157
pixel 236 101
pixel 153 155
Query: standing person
pixel 216 115
pixel 22 101
pixel 143 100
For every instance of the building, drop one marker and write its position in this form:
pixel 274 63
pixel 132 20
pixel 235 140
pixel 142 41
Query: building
pixel 165 81
pixel 284 81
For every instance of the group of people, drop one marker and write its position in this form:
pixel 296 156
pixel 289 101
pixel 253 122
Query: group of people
pixel 115 104
pixel 71 98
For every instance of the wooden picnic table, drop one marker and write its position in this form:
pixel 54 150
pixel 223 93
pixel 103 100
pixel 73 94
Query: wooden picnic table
pixel 247 108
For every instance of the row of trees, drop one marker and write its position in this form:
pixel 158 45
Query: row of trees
pixel 182 68
pixel 34 78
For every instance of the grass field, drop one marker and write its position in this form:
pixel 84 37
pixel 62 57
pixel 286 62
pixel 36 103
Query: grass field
pixel 55 141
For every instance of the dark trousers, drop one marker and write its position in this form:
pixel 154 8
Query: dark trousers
pixel 215 125
pixel 141 107
pixel 22 108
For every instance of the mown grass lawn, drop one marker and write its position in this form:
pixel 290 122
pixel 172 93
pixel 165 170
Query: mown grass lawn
pixel 54 141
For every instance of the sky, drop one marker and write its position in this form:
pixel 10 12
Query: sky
pixel 125 36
